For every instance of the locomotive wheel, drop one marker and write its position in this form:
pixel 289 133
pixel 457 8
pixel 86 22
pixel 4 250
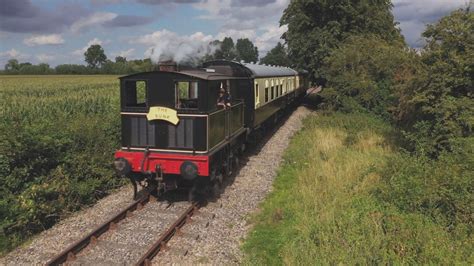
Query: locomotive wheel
pixel 197 193
pixel 216 183
pixel 235 163
pixel 215 189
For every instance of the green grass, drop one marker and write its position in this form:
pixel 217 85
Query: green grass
pixel 58 136
pixel 333 202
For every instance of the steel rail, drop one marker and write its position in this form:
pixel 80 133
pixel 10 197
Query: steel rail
pixel 70 252
pixel 160 244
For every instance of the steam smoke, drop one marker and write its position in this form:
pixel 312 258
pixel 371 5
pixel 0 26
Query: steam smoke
pixel 188 49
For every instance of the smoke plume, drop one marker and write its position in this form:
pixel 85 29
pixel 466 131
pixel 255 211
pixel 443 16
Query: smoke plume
pixel 187 49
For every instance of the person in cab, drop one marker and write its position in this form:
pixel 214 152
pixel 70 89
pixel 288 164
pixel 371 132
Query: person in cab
pixel 223 100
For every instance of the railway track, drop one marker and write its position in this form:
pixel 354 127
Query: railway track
pixel 157 225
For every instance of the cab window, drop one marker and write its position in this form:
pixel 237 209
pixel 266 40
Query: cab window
pixel 186 94
pixel 135 93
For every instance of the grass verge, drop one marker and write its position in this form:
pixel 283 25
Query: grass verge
pixel 338 198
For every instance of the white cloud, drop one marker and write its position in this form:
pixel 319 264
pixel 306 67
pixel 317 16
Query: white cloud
pixel 94 19
pixel 256 20
pixel 266 41
pixel 105 2
pixel 413 16
pixel 213 7
pixel 125 53
pixel 246 15
pixel 13 53
pixel 425 9
pixel 80 52
pixel 45 58
pixel 236 34
pixel 51 39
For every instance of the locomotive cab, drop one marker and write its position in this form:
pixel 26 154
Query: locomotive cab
pixel 173 131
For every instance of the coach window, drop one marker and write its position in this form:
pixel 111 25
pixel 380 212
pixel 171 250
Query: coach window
pixel 135 93
pixel 266 90
pixel 276 88
pixel 256 90
pixel 272 91
pixel 186 94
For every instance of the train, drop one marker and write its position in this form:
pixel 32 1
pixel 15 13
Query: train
pixel 175 134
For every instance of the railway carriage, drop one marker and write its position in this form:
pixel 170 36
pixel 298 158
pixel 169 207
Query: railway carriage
pixel 175 135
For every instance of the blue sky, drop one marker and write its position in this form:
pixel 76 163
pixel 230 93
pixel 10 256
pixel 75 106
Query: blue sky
pixel 59 31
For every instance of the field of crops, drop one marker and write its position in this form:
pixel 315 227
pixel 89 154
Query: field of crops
pixel 58 135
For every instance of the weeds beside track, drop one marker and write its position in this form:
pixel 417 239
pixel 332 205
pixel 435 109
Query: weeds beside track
pixel 346 194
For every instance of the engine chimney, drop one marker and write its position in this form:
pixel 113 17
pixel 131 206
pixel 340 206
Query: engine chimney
pixel 169 66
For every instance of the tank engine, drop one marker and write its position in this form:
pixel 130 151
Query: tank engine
pixel 174 134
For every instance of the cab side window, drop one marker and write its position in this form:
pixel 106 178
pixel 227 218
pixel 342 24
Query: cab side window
pixel 186 94
pixel 135 93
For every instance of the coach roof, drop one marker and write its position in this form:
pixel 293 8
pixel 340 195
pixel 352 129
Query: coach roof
pixel 249 70
pixel 269 71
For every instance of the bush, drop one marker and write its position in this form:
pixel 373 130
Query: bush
pixel 441 189
pixel 363 71
pixel 440 100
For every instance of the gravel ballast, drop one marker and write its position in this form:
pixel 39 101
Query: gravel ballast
pixel 52 241
pixel 213 237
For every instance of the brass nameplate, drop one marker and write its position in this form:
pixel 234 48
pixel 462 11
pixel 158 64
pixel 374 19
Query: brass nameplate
pixel 163 113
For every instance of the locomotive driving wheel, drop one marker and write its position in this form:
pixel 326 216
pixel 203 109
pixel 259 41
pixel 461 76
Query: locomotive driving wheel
pixel 198 191
pixel 216 183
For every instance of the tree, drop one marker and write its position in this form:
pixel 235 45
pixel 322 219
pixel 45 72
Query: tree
pixel 364 73
pixel 277 56
pixel 217 54
pixel 95 56
pixel 120 59
pixel 441 99
pixel 227 50
pixel 246 51
pixel 12 65
pixel 316 27
pixel 72 69
pixel 25 64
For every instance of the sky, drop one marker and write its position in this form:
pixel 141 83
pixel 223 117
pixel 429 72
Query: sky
pixel 60 31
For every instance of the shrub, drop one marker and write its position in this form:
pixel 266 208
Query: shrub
pixel 440 99
pixel 363 73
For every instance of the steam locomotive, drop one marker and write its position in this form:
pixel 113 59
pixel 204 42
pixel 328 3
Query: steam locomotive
pixel 175 135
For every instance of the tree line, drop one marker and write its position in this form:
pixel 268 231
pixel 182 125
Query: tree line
pixel 360 57
pixel 98 62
